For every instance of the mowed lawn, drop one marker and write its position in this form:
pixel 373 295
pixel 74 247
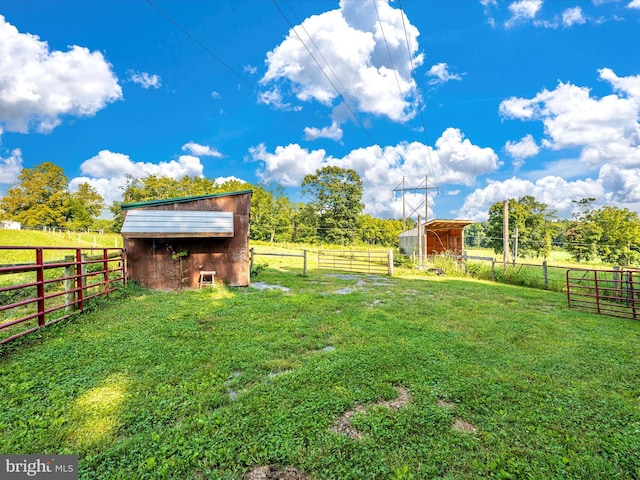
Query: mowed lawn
pixel 500 382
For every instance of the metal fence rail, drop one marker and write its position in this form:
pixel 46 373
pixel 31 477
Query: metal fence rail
pixel 302 255
pixel 40 292
pixel 607 292
pixel 356 261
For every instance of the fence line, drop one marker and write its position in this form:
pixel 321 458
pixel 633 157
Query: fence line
pixel 537 275
pixel 253 253
pixel 60 287
pixel 606 292
pixel 356 261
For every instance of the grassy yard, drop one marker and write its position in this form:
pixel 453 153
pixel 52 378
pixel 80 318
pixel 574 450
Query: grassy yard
pixel 499 382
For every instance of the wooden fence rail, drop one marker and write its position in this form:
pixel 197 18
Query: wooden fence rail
pixel 38 293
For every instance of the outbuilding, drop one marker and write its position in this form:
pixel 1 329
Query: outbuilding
pixel 170 243
pixel 440 236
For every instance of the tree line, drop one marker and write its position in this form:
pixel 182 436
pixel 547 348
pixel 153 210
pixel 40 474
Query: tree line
pixel 332 215
pixel 608 233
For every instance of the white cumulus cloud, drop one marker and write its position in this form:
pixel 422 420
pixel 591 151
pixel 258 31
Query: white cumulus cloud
pixel 38 86
pixel 10 167
pixel 107 171
pixel 440 74
pixel 573 16
pixel 553 191
pixel 523 11
pixel 605 130
pixel 634 4
pixel 332 132
pixel 524 148
pixel 351 60
pixel 454 160
pixel 201 150
pixel 146 80
pixel 287 165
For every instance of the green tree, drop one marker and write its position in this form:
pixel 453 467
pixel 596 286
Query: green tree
pixel 620 238
pixel 533 220
pixel 270 215
pixel 39 199
pixel 304 222
pixel 83 206
pixel 377 231
pixel 475 235
pixel 336 195
pixel 583 234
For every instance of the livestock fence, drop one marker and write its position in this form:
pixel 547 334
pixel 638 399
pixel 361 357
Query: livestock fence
pixel 533 275
pixel 608 292
pixel 253 254
pixel 362 261
pixel 44 285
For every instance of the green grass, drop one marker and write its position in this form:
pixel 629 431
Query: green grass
pixel 210 383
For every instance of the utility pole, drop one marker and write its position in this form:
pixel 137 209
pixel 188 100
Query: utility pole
pixel 404 209
pixel 419 240
pixel 419 188
pixel 505 233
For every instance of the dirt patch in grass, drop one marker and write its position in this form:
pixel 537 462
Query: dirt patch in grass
pixel 271 472
pixel 463 426
pixel 343 424
pixel 442 403
pixel 458 424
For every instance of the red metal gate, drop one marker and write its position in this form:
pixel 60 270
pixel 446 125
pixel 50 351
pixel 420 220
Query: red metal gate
pixel 46 290
pixel 607 292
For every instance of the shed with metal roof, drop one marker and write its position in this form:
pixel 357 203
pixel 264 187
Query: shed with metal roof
pixel 440 236
pixel 169 242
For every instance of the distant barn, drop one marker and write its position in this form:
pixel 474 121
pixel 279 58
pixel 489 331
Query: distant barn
pixel 442 236
pixel 170 242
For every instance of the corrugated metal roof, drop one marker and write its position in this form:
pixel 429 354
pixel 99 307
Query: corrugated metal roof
pixel 170 201
pixel 437 224
pixel 177 223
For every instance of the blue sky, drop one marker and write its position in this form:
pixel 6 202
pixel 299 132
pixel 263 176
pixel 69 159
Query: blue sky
pixel 489 99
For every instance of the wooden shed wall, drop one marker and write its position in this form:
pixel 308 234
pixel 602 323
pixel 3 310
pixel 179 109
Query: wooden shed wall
pixel 441 241
pixel 149 260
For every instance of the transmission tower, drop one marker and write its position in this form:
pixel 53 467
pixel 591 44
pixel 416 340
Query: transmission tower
pixel 422 187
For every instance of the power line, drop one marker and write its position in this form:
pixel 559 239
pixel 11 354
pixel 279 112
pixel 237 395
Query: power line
pixel 417 93
pixel 384 37
pixel 342 97
pixel 301 24
pixel 216 57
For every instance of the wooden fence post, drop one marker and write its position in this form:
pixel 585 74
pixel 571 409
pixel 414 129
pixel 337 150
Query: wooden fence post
pixel 617 282
pixel 545 274
pixel 390 262
pixel 632 295
pixel 304 268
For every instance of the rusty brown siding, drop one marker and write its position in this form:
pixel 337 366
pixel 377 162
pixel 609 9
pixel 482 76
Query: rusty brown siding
pixel 445 240
pixel 150 263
